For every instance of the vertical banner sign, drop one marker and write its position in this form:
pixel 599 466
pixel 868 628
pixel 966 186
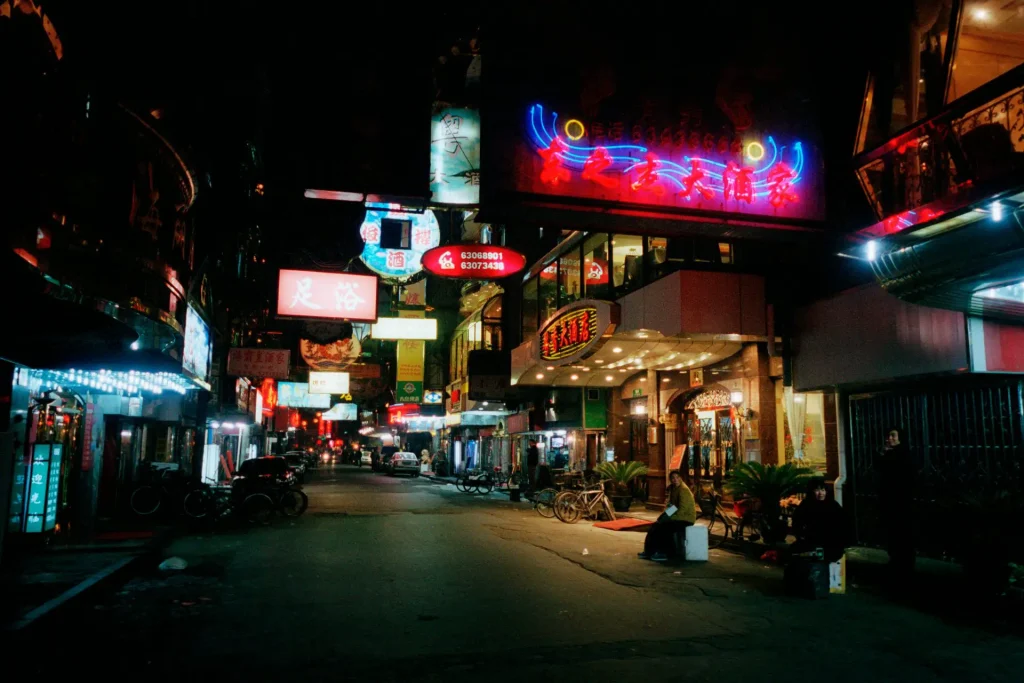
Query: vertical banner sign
pixel 409 371
pixel 90 421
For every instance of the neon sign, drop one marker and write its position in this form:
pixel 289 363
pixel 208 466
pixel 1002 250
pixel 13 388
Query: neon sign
pixel 569 333
pixel 750 174
pixel 415 233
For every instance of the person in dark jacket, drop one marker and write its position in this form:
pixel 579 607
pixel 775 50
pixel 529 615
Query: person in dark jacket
pixel 896 495
pixel 820 522
pixel 532 461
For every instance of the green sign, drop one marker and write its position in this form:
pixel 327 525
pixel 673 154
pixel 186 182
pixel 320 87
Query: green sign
pixel 638 392
pixel 409 392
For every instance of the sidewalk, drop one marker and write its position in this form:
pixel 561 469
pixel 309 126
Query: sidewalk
pixel 34 582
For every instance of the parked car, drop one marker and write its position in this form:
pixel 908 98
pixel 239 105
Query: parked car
pixel 298 464
pixel 268 470
pixel 365 458
pixel 404 462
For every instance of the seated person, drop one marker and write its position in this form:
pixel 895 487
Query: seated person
pixel 680 513
pixel 820 522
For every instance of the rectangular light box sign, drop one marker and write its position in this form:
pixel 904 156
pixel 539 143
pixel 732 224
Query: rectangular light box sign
pixel 422 329
pixel 328 382
pixel 330 296
pixel 296 395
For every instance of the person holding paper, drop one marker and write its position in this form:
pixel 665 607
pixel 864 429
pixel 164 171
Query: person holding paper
pixel 680 513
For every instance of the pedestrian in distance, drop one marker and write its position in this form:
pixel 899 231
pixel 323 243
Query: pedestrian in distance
pixel 532 462
pixel 896 495
pixel 680 513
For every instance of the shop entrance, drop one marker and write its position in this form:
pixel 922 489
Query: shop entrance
pixel 708 428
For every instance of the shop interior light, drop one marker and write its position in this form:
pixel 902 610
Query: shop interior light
pixel 109 381
pixel 736 397
pixel 215 424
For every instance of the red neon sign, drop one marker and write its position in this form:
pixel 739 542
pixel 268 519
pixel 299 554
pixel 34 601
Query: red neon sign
pixel 473 261
pixel 334 296
pixel 568 334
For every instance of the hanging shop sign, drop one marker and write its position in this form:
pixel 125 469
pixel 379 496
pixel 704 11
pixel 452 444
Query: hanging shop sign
pixel 340 412
pixel 399 412
pixel 296 395
pixel 455 157
pixel 269 391
pixel 334 296
pixel 274 363
pixel 473 261
pixel 242 386
pixel 697 377
pixel 404 328
pixel 576 330
pixel 337 355
pixel 328 382
pixel 409 365
pixel 394 242
pixel 364 371
pixel 197 354
pixel 433 397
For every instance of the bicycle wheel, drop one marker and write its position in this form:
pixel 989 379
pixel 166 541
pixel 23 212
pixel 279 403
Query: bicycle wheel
pixel 567 507
pixel 293 503
pixel 484 485
pixel 544 503
pixel 718 529
pixel 258 508
pixel 462 485
pixel 146 500
pixel 197 504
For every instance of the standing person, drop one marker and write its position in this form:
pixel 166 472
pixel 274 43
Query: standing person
pixel 896 494
pixel 680 513
pixel 532 461
pixel 424 460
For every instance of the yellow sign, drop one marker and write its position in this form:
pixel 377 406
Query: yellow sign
pixel 409 366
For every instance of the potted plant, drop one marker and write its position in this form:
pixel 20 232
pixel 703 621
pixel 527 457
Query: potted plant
pixel 620 475
pixel 767 485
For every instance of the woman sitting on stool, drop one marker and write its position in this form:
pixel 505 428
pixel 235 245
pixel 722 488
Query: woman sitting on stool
pixel 680 513
pixel 820 523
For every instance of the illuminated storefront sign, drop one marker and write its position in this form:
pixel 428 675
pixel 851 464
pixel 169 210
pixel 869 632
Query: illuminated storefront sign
pixel 340 412
pixel 433 397
pixel 574 330
pixel 328 382
pixel 196 357
pixel 568 333
pixel 595 270
pixel 269 392
pixel 394 242
pixel 296 395
pixel 409 364
pixel 745 172
pixel 404 328
pixel 398 412
pixel 473 261
pixel 335 296
pixel 455 157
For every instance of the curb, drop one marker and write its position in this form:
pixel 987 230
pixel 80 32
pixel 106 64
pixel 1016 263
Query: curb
pixel 109 575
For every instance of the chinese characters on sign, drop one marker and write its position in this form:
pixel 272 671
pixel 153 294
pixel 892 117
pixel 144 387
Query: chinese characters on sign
pixel 396 257
pixel 455 157
pixel 335 296
pixel 744 171
pixel 568 334
pixel 328 382
pixel 259 363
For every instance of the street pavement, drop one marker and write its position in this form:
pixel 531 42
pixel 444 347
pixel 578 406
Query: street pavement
pixel 401 579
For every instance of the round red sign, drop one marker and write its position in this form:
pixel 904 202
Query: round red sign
pixel 473 261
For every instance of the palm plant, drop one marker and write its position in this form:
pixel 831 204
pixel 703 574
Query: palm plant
pixel 768 484
pixel 621 473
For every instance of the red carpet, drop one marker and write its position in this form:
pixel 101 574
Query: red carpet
pixel 625 524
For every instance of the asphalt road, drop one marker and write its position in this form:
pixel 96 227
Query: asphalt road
pixel 399 579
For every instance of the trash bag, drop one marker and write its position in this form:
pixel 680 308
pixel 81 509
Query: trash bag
pixel 173 564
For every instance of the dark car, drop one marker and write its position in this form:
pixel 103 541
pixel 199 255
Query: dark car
pixel 269 470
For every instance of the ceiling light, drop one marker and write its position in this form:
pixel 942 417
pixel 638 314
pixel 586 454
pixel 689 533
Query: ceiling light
pixel 598 361
pixel 981 14
pixel 551 367
pixel 664 379
pixel 540 375
pixel 574 377
pixel 617 349
pixel 608 378
pixel 622 369
pixel 643 379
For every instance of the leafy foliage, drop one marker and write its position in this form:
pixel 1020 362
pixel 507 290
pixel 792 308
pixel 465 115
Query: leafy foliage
pixel 767 483
pixel 621 473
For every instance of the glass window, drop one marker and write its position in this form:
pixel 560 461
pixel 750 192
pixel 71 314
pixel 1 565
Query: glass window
pixel 547 285
pixel 627 262
pixel 569 286
pixel 991 42
pixel 657 258
pixel 712 251
pixel 595 267
pixel 530 310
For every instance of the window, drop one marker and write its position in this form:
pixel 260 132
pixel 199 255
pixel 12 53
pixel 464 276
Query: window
pixel 657 258
pixel 569 285
pixel 530 310
pixel 595 267
pixel 627 262
pixel 547 285
pixel 991 42
pixel 712 251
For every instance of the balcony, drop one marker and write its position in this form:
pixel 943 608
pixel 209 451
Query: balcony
pixel 970 151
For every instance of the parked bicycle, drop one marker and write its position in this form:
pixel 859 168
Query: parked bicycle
pixel 741 523
pixel 475 482
pixel 544 502
pixel 571 506
pixel 163 489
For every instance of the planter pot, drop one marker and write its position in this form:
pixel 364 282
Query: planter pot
pixel 621 503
